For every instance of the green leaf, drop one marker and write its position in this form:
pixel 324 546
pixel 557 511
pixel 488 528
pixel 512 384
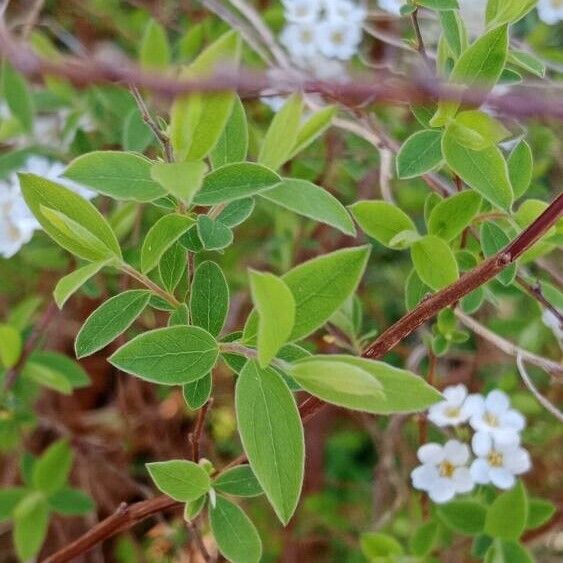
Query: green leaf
pixel 463 516
pixel 340 383
pixel 236 212
pixel 120 175
pixel 9 499
pixel 197 393
pixel 161 236
pixel 477 130
pixel 420 154
pixel 454 32
pixel 381 220
pixel 169 356
pixel 494 239
pixel 69 370
pixel 309 200
pixel 194 508
pixel 320 287
pixel 198 120
pixel 235 181
pixel 507 551
pixel 179 479
pixel 424 538
pixel 10 346
pixel 281 136
pixel 275 306
pixel 235 534
pixel 71 502
pixel 209 298
pixel 70 283
pixel 232 146
pixel 507 11
pixel 51 470
pixel 528 62
pixel 213 234
pixel 539 512
pixel 439 4
pixel 154 52
pixel 478 67
pixel 109 320
pixel 41 193
pixel 136 135
pixel 379 548
pixel 47 376
pixel 172 266
pixel 450 216
pixel 434 262
pixel 313 128
pixel 520 167
pixel 485 171
pixel 238 481
pixel 402 390
pixel 415 290
pixel 507 516
pixel 18 97
pixel 181 179
pixel 76 232
pixel 31 520
pixel 272 436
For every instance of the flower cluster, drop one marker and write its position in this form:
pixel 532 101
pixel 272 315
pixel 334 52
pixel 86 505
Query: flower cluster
pixel 17 223
pixel 320 32
pixel 448 470
pixel 550 11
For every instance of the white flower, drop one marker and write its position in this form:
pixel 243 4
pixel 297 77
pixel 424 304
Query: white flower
pixel 345 11
pixel 453 410
pixel 444 471
pixel 16 222
pixel 497 463
pixel 275 103
pixel 338 40
pixel 550 11
pixel 327 69
pixel 300 40
pixel 494 416
pixel 302 11
pixel 392 6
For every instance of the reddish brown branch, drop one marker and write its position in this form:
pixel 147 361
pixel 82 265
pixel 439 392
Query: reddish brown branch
pixel 127 517
pixel 358 92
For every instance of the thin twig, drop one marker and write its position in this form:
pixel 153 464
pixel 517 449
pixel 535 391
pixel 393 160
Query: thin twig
pixel 160 135
pixel 508 347
pixel 195 437
pixel 419 40
pixel 539 397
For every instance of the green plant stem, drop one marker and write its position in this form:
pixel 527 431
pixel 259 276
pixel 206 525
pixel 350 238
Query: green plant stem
pixel 148 283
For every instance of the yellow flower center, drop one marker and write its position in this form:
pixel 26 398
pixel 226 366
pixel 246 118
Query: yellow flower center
pixel 452 412
pixel 446 469
pixel 337 38
pixel 491 419
pixel 495 458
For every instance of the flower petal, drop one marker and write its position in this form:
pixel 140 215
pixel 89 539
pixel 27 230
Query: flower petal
pixel 442 491
pixel 517 461
pixel 480 472
pixel 456 452
pixel 474 405
pixel 506 438
pixel 514 419
pixel 424 476
pixel 501 477
pixel 481 443
pixel 497 402
pixel 462 479
pixel 455 394
pixel 431 453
